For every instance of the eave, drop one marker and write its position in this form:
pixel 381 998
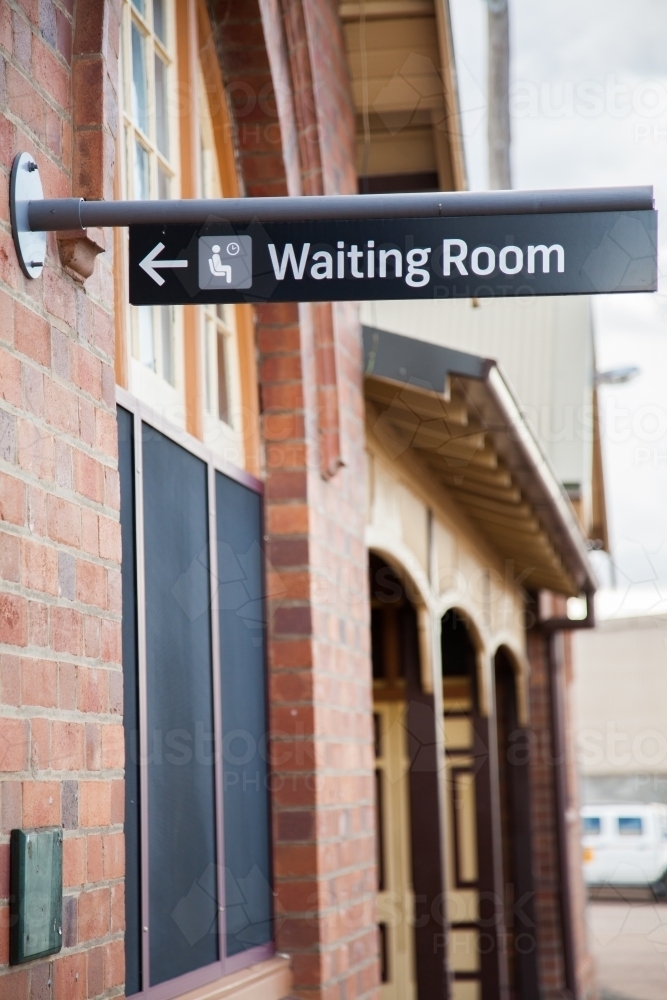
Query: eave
pixel 403 78
pixel 459 414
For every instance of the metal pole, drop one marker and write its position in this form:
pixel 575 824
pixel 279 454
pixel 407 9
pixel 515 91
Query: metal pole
pixel 74 213
pixel 498 95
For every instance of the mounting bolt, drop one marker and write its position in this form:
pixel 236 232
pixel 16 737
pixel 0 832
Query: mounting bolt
pixel 25 186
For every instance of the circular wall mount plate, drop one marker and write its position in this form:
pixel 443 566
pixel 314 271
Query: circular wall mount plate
pixel 25 186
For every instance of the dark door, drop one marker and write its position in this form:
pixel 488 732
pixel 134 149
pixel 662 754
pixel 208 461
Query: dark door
pixel 514 789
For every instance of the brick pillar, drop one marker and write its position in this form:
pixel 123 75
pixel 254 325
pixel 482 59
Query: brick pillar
pixel 584 963
pixel 324 848
pixel 61 736
pixel 547 861
pixel 313 416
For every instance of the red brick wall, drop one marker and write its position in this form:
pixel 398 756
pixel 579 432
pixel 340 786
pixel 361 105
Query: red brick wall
pixel 61 739
pixel 546 858
pixel 319 657
pixel 546 868
pixel 583 958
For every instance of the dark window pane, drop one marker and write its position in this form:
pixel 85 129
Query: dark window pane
pixel 379 833
pixel 163 183
pixel 181 781
pixel 139 84
pixel 383 930
pixel 242 661
pixel 161 107
pixel 131 709
pixel 160 20
pixel 142 183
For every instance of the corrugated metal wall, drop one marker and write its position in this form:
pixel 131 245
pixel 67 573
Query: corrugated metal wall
pixel 544 345
pixel 620 696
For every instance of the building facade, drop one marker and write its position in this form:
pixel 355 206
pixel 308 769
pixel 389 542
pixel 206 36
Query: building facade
pixel 619 673
pixel 273 777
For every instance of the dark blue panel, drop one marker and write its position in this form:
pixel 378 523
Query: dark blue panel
pixel 244 717
pixel 181 782
pixel 131 707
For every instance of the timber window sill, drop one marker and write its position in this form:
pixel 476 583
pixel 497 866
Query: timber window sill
pixel 270 980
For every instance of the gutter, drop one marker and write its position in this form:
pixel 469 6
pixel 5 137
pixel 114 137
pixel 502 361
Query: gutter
pixel 570 534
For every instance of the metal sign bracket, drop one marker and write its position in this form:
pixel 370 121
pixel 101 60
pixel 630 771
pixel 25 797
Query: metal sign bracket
pixel 435 244
pixel 25 187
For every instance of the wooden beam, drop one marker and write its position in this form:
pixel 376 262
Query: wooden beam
pixel 520 510
pixel 383 9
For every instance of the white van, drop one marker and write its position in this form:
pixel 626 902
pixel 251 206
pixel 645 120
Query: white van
pixel 626 845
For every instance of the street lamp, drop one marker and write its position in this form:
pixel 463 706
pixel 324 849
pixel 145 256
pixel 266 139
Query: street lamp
pixel 618 376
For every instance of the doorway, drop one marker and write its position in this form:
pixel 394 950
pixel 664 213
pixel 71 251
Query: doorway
pixel 411 926
pixel 474 861
pixel 514 795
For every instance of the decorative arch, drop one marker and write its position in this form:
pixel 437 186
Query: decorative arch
pixel 506 645
pixel 401 632
pixel 406 566
pixel 468 691
pixel 482 660
pixel 418 591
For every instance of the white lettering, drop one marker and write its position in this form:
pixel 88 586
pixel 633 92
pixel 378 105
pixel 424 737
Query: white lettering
pixel 417 275
pixel 398 263
pixel 340 269
pixel 518 262
pixel 354 254
pixel 371 259
pixel 490 256
pixel 325 268
pixel 289 257
pixel 448 258
pixel 546 257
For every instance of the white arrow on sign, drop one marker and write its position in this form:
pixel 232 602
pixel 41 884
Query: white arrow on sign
pixel 149 264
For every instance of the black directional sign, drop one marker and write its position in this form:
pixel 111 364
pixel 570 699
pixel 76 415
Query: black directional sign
pixel 463 257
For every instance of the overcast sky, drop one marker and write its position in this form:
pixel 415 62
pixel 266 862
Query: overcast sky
pixel 589 108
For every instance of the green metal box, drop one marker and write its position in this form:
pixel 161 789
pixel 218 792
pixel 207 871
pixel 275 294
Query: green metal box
pixel 36 890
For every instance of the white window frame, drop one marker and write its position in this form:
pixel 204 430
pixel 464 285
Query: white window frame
pixel 154 376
